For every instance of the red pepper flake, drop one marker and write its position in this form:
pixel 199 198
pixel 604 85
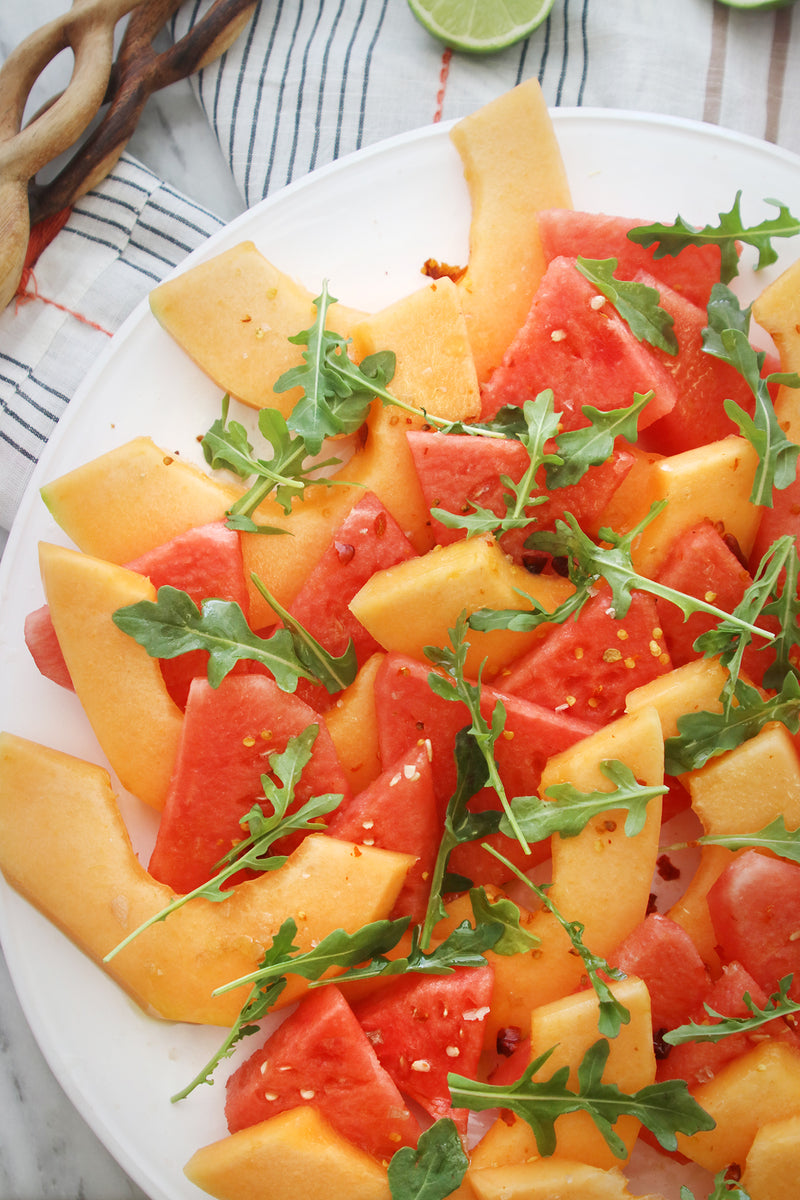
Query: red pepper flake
pixel 666 867
pixel 508 1038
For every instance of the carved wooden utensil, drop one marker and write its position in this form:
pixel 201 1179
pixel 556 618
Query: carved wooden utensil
pixel 124 86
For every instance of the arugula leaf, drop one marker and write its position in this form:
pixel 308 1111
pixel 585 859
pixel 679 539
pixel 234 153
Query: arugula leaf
pixel 337 393
pixel 726 338
pixel 664 1108
pixel 671 239
pixel 587 563
pixel 725 1188
pixel 452 684
pixel 593 444
pixel 775 838
pixel 568 810
pixel 434 1170
pixel 612 1013
pixel 263 830
pixel 704 735
pixel 172 624
pixel 463 947
pixel 541 426
pixel 778 1005
pixel 513 938
pixel 460 825
pixel 227 445
pixel 637 303
pixel 332 672
pixel 256 1007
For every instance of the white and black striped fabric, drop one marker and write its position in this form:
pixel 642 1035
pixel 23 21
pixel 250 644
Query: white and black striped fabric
pixel 311 80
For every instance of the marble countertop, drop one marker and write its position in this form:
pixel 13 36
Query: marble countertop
pixel 47 1151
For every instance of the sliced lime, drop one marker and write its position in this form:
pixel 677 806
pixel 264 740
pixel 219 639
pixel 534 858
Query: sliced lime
pixel 480 26
pixel 753 4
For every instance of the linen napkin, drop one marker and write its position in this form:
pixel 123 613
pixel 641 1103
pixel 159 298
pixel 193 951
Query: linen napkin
pixel 311 80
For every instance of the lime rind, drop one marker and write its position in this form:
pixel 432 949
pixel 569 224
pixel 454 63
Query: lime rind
pixel 480 26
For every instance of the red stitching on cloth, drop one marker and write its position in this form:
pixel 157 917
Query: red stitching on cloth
pixel 41 235
pixel 444 71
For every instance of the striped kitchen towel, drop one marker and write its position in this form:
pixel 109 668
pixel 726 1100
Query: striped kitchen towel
pixel 311 80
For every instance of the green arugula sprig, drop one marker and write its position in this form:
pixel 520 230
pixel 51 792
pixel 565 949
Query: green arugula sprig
pixel 772 593
pixel 612 1014
pixel 726 338
pixel 778 1005
pixel 263 830
pixel 359 955
pixel 588 563
pixel 704 735
pixel 339 948
pixel 637 303
pixel 775 838
pixel 541 426
pixel 669 240
pixel 567 810
pixel 450 683
pixel 434 1170
pixel 535 424
pixel 725 1188
pixel 173 624
pixel 664 1108
pixel 514 939
pixel 287 474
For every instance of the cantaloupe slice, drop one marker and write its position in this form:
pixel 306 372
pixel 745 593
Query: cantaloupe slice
pixel 760 1086
pixel 773 1162
pixel 513 168
pixel 777 310
pixel 297 1153
pixel 133 498
pixel 234 314
pixel 601 877
pixel 414 604
pixel 568 1027
pixel 64 846
pixel 712 482
pixel 119 685
pixel 548 1178
pixel 353 728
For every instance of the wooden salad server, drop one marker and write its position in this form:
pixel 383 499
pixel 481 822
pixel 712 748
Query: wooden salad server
pixel 123 86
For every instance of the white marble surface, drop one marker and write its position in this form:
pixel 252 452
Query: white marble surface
pixel 47 1151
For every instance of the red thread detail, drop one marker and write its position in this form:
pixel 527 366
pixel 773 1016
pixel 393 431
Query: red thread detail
pixel 443 74
pixel 41 235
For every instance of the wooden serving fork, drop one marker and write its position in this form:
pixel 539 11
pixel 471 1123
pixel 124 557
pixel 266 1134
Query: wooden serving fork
pixel 124 86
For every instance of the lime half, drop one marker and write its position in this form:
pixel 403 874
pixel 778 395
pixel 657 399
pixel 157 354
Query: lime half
pixel 755 4
pixel 480 26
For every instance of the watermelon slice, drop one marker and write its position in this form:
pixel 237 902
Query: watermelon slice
pixel 398 811
pixel 426 1026
pixel 569 233
pixel 697 1062
pixel 407 710
pixel 321 1056
pixel 755 911
pixel 228 735
pixel 369 539
pixel 660 952
pixel 589 664
pixel 703 381
pixel 701 563
pixel 458 472
pixel 574 342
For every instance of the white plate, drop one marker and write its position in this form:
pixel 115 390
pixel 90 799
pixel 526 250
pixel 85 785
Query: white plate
pixel 366 224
